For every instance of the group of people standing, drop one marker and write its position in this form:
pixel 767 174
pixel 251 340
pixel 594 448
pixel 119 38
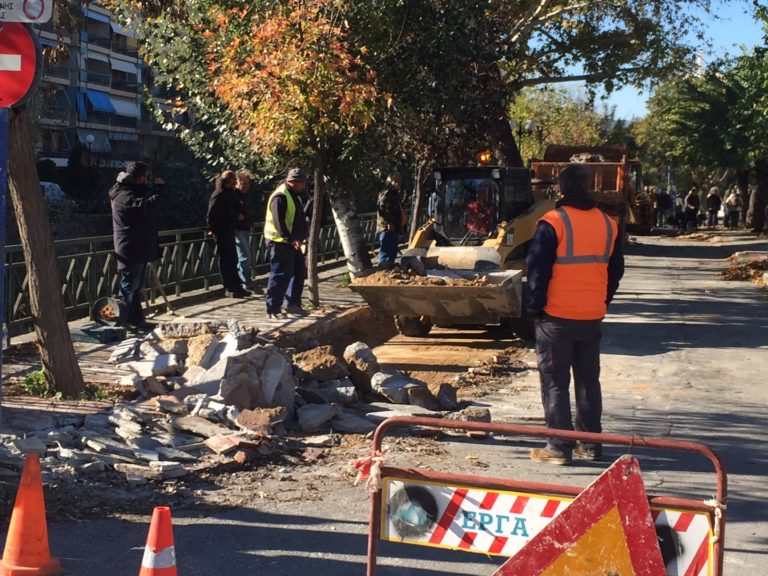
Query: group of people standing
pixel 285 235
pixel 688 211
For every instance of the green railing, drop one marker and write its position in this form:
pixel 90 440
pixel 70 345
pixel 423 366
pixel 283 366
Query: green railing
pixel 88 270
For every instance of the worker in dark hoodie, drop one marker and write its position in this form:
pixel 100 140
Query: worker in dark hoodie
pixel 575 263
pixel 134 229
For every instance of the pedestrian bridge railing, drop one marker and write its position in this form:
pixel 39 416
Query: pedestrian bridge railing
pixel 88 269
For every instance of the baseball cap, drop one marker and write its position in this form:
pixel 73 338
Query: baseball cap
pixel 296 174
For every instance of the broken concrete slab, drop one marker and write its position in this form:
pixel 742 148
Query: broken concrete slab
pixel 260 377
pixel 244 337
pixel 446 398
pixel 142 471
pixel 200 426
pixel 29 445
pixel 313 417
pixel 341 391
pixel 362 364
pixel 171 404
pixel 382 411
pixel 165 365
pixel 202 350
pixel 352 424
pixel 422 397
pixel 394 386
pixel 152 348
pixel 185 329
pixel 321 364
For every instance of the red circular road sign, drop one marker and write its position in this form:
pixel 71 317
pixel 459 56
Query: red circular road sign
pixel 18 63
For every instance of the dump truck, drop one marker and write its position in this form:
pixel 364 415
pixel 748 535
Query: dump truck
pixel 471 253
pixel 614 178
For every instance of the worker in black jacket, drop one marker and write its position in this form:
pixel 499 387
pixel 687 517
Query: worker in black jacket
pixel 222 218
pixel 134 229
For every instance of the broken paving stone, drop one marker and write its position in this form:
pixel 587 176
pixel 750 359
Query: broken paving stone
pixel 244 337
pixel 222 444
pixel 321 441
pixel 173 454
pixel 362 364
pixel 202 350
pixel 382 411
pixel 91 468
pixel 151 348
pixel 321 364
pixel 352 424
pixel 96 421
pixel 446 398
pixel 165 365
pixel 155 386
pixel 471 414
pixel 184 329
pixel 171 404
pixel 147 455
pixel 200 426
pixel 313 417
pixel 261 420
pixel 341 391
pixel 422 397
pixel 260 377
pixel 135 480
pixel 136 470
pixel 394 386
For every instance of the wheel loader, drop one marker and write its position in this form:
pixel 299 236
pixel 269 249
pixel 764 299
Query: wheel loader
pixel 472 247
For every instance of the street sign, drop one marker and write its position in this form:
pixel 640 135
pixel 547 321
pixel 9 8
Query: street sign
pixel 20 64
pixel 607 529
pixel 29 11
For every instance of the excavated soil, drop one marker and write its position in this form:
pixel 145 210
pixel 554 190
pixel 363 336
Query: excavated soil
pixel 397 278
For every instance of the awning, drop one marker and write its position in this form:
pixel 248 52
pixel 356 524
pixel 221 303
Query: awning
pixel 100 141
pixel 100 101
pixel 125 107
pixel 123 66
pixel 97 15
pixel 120 30
pixel 91 55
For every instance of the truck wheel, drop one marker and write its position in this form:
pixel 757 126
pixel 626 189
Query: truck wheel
pixel 414 326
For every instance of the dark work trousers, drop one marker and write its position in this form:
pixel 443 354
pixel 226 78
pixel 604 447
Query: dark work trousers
pixel 225 244
pixel 388 250
pixel 287 272
pixel 562 345
pixel 131 283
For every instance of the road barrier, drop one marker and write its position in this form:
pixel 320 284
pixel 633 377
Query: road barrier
pixel 499 516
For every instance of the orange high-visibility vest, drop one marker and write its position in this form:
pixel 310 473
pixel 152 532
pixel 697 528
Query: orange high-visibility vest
pixel 579 285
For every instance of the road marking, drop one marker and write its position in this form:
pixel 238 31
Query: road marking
pixel 10 62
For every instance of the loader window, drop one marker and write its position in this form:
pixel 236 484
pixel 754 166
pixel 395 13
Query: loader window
pixel 471 209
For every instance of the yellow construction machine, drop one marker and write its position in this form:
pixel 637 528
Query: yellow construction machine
pixel 480 222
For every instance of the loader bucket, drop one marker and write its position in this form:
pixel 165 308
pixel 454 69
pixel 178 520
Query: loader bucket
pixel 450 304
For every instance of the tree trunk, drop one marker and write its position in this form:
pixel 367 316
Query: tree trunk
pixel 757 200
pixel 313 248
pixel 54 341
pixel 351 234
pixel 420 200
pixel 742 181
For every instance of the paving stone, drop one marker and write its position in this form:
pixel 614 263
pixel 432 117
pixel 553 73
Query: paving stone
pixel 352 424
pixel 200 426
pixel 314 417
pixel 29 445
pixel 165 365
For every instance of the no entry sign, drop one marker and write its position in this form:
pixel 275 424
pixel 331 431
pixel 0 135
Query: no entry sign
pixel 31 11
pixel 19 63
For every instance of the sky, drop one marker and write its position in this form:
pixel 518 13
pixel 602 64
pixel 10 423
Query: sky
pixel 736 28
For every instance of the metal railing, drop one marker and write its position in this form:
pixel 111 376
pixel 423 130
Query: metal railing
pixel 88 269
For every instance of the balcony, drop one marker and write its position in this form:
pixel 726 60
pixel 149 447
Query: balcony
pixel 102 41
pixel 97 78
pixel 56 71
pixel 125 85
pixel 123 48
pixel 55 113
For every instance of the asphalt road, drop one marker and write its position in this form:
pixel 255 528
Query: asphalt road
pixel 684 357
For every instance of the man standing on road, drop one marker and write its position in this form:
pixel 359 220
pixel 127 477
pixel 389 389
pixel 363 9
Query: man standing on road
pixel 243 230
pixel 575 263
pixel 285 232
pixel 134 229
pixel 390 221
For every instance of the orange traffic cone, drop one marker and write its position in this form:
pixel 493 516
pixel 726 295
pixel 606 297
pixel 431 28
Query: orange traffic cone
pixel 159 553
pixel 26 547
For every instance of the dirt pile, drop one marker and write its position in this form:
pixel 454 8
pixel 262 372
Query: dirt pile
pixel 397 278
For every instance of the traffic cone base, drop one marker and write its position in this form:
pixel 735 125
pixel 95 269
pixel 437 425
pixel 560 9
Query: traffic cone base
pixel 159 554
pixel 26 547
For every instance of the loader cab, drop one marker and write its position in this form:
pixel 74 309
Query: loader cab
pixel 470 202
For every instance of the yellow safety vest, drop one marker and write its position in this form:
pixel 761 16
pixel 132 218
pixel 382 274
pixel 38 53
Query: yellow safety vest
pixel 270 230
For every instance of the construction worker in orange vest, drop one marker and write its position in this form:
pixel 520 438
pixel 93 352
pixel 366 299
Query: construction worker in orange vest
pixel 575 263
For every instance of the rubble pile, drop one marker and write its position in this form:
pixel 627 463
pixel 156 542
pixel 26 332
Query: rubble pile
pixel 751 270
pixel 398 278
pixel 203 399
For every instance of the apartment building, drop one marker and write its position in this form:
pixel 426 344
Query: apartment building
pixel 96 98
